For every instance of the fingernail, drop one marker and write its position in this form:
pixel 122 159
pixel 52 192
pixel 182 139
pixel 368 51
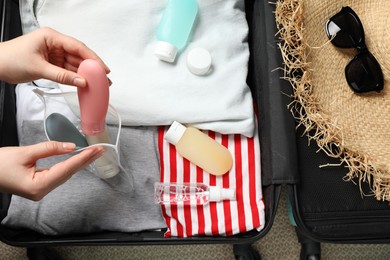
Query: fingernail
pixel 79 82
pixel 69 146
pixel 107 69
pixel 109 82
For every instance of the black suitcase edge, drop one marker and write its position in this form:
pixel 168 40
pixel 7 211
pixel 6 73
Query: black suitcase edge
pixel 10 28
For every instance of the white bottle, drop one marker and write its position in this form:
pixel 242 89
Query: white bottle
pixel 200 149
pixel 190 193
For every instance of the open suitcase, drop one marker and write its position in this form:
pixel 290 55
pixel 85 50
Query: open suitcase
pixel 276 130
pixel 325 207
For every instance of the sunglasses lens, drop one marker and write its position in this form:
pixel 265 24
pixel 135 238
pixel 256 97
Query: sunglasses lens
pixel 345 28
pixel 364 73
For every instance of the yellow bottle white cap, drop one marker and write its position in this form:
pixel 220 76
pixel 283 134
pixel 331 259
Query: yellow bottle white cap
pixel 174 133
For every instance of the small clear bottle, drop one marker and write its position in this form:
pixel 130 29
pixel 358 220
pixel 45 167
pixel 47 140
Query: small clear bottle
pixel 190 193
pixel 175 28
pixel 200 149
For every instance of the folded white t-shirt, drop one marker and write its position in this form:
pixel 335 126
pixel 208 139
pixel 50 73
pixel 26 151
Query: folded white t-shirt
pixel 145 90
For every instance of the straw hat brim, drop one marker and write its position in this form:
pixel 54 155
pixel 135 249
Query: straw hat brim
pixel 332 114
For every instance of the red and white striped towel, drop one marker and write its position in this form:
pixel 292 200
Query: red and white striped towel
pixel 224 218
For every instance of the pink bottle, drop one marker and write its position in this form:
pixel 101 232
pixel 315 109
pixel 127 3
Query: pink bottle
pixel 93 101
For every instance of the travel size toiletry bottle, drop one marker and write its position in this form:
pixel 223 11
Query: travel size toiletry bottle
pixel 93 101
pixel 190 193
pixel 175 27
pixel 200 149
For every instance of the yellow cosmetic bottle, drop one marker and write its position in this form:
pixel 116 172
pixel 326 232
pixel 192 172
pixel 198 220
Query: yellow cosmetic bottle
pixel 199 149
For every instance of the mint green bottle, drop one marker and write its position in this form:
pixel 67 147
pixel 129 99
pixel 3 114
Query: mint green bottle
pixel 175 27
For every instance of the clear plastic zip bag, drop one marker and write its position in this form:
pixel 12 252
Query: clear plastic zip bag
pixel 62 123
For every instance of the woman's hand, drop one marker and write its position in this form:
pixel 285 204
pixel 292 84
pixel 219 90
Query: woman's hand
pixel 44 53
pixel 19 174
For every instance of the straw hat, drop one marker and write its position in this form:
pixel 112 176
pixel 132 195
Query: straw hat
pixel 353 127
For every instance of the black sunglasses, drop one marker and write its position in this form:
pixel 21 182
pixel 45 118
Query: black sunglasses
pixel 363 72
